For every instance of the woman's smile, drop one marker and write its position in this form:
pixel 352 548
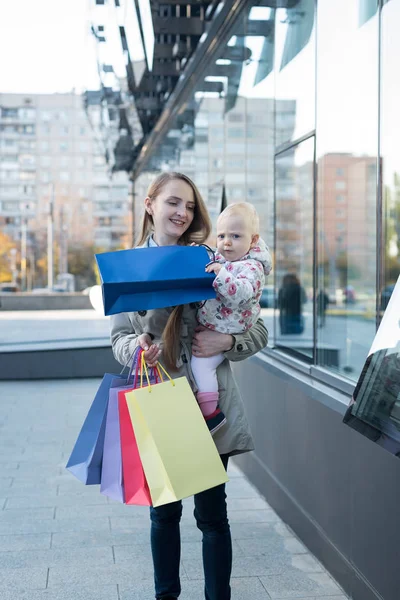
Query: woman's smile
pixel 178 222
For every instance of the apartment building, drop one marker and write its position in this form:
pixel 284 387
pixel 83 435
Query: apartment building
pixel 52 160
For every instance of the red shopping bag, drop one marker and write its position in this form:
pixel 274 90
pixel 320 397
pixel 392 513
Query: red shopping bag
pixel 135 483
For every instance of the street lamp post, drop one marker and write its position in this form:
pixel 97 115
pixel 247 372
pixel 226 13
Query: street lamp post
pixel 63 255
pixel 24 235
pixel 50 226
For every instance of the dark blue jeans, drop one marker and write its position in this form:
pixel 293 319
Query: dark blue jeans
pixel 211 518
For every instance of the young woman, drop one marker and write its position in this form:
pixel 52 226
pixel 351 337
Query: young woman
pixel 176 214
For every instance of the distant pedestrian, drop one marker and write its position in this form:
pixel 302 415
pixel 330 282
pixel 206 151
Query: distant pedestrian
pixel 291 298
pixel 322 305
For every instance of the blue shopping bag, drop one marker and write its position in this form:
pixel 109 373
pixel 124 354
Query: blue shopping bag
pixel 148 278
pixel 87 455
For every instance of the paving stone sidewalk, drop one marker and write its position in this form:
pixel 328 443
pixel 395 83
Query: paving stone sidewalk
pixel 60 540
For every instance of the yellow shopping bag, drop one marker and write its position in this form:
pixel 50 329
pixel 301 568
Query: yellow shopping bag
pixel 178 454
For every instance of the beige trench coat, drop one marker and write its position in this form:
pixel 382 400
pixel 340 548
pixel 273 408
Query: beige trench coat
pixel 235 436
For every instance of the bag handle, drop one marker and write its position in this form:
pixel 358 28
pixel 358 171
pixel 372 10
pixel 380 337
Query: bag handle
pixel 144 369
pixel 211 252
pixel 131 358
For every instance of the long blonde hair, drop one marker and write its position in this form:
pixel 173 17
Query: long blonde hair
pixel 198 232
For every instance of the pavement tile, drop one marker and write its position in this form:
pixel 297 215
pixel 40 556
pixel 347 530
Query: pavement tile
pixel 57 557
pixel 296 585
pixel 6 467
pixel 22 579
pixel 29 471
pixel 253 516
pixel 247 504
pixel 39 541
pixel 271 544
pixel 255 530
pixel 130 523
pixel 100 538
pixel 54 526
pixel 43 478
pixel 106 509
pixel 52 500
pixel 5 484
pixel 103 592
pixel 23 515
pixel 140 570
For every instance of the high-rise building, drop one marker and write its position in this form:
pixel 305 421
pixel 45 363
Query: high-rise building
pixel 52 162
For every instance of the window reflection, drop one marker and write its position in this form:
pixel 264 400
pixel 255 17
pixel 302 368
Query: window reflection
pixel 390 131
pixel 295 70
pixel 294 192
pixel 347 150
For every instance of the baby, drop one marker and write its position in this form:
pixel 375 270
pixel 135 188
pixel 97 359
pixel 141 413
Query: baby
pixel 241 263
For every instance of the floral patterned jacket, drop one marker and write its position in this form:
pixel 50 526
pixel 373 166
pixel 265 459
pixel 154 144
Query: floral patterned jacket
pixel 239 286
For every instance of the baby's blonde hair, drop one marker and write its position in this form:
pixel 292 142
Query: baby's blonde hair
pixel 246 210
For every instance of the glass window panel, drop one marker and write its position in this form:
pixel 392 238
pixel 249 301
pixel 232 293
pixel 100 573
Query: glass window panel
pixel 390 148
pixel 295 70
pixel 347 142
pixel 294 193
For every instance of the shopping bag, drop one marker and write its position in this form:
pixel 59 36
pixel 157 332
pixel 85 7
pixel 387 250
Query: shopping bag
pixel 136 490
pixel 87 455
pixel 148 278
pixel 112 481
pixel 178 454
pixel 111 473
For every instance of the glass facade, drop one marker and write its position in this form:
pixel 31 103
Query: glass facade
pixel 347 158
pixel 295 113
pixel 287 119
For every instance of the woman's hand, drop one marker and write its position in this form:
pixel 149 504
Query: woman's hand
pixel 209 343
pixel 151 351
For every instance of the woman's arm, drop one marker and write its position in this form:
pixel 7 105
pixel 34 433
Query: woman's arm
pixel 237 347
pixel 124 338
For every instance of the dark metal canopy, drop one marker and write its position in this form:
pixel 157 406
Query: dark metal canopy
pixel 189 37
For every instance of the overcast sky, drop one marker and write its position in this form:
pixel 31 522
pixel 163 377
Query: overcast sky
pixel 45 46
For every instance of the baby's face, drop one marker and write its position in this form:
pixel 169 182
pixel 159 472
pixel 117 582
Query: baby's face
pixel 234 236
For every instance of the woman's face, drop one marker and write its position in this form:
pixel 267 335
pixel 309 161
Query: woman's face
pixel 172 211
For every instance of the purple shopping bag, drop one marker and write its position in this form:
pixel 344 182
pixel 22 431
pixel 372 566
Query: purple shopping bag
pixel 111 473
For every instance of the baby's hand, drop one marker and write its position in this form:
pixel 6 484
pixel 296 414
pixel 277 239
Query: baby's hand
pixel 213 268
pixel 194 244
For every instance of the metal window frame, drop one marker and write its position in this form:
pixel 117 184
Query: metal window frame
pixel 279 151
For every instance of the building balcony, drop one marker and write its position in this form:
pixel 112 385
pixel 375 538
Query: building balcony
pixel 5 150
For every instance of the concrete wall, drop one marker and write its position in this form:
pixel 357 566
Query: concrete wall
pixel 336 489
pixel 61 301
pixel 70 362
